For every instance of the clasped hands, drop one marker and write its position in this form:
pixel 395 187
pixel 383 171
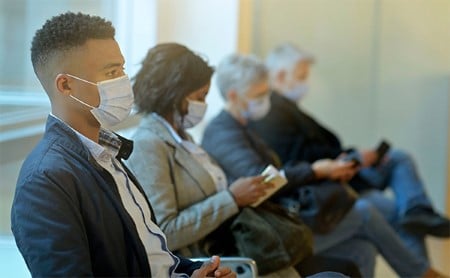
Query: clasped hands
pixel 212 268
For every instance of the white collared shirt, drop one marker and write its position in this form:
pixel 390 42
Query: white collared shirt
pixel 162 261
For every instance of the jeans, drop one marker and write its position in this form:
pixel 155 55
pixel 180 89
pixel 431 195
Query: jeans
pixel 386 206
pixel 292 273
pixel 400 174
pixel 359 251
pixel 365 222
pixel 327 274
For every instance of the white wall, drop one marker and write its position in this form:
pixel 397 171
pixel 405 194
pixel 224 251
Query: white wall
pixel 383 70
pixel 136 30
pixel 412 106
pixel 207 27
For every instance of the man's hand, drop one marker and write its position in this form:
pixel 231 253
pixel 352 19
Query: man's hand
pixel 334 169
pixel 212 268
pixel 369 157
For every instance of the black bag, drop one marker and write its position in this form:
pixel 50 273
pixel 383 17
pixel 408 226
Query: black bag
pixel 324 205
pixel 271 236
pixel 321 206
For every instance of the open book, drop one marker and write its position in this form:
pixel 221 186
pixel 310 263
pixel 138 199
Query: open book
pixel 276 178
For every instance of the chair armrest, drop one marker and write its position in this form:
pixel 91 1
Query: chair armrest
pixel 243 266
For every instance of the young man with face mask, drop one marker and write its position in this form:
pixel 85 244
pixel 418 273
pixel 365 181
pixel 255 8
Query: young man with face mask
pixel 77 210
pixel 295 135
pixel 243 80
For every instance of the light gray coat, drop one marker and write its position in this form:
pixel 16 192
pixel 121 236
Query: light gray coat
pixel 183 195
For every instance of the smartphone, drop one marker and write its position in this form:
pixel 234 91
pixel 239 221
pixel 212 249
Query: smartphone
pixel 381 150
pixel 354 157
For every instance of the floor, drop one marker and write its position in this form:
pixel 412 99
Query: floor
pixel 12 264
pixel 439 254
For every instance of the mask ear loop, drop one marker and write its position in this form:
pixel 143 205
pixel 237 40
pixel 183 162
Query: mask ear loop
pixel 82 102
pixel 244 112
pixel 81 79
pixel 79 100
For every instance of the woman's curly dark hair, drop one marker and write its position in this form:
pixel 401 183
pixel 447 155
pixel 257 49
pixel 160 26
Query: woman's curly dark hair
pixel 169 73
pixel 66 31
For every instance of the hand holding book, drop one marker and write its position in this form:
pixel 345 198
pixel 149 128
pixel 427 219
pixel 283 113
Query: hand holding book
pixel 276 178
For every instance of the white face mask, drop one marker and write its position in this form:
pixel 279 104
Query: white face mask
pixel 196 112
pixel 257 108
pixel 116 100
pixel 297 92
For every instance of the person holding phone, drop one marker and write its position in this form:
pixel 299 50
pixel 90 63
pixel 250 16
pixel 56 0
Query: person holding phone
pixel 296 135
pixel 243 83
pixel 192 199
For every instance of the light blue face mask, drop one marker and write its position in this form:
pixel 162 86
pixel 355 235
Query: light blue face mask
pixel 257 108
pixel 196 112
pixel 298 92
pixel 116 100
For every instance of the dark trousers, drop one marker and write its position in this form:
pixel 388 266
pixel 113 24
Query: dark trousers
pixel 317 263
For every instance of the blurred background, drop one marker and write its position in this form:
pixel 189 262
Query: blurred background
pixel 382 71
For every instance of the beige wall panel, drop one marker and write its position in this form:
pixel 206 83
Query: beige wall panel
pixel 412 106
pixel 339 34
pixel 382 71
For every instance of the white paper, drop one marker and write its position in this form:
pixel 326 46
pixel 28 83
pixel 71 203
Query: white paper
pixel 276 178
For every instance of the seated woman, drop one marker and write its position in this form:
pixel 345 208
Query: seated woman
pixel 243 83
pixel 189 192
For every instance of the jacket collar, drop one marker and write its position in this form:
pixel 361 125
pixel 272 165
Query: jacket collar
pixel 181 155
pixel 150 122
pixel 228 119
pixel 106 137
pixel 57 130
pixel 126 148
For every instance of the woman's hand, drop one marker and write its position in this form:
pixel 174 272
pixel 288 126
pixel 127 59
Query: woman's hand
pixel 248 190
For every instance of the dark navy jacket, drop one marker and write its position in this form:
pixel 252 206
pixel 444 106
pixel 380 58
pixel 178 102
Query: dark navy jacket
pixel 296 136
pixel 67 216
pixel 241 153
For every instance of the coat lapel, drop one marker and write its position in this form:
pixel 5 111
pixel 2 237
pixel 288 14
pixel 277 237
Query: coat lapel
pixel 182 157
pixel 196 171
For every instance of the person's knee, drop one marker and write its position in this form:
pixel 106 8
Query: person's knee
pixel 363 206
pixel 328 274
pixel 323 263
pixel 398 155
pixel 365 209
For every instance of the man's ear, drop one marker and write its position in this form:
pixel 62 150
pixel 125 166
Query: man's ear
pixel 232 96
pixel 281 76
pixel 62 84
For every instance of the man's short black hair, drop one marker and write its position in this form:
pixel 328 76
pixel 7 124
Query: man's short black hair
pixel 66 31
